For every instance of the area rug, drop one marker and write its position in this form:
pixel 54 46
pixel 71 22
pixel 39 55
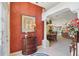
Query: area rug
pixel 39 54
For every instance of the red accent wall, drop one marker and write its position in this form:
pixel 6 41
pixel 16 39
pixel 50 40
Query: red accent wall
pixel 17 9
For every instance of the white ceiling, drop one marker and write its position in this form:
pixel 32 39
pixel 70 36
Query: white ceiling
pixel 46 5
pixel 64 14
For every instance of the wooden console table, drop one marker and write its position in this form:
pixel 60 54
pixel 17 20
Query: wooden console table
pixel 52 36
pixel 29 45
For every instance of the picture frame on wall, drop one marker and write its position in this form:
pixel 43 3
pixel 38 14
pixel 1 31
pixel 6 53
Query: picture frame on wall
pixel 28 23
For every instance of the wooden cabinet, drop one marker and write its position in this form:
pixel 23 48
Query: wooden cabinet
pixel 78 37
pixel 52 36
pixel 29 45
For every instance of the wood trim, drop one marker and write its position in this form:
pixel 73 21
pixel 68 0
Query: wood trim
pixel 8 28
pixel 20 52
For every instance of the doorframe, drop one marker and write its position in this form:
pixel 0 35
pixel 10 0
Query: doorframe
pixel 8 28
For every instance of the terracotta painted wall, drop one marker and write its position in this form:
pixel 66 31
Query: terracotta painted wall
pixel 16 11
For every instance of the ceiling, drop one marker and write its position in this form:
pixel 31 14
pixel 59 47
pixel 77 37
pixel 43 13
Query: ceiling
pixel 46 5
pixel 61 17
pixel 63 14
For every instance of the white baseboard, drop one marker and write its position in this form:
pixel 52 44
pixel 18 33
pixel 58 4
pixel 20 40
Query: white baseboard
pixel 16 53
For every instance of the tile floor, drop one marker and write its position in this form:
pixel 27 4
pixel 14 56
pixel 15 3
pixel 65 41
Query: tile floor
pixel 59 48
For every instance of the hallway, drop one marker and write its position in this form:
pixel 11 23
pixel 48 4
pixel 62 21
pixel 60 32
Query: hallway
pixel 60 48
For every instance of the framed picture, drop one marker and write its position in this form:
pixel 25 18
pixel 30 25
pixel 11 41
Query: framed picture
pixel 28 23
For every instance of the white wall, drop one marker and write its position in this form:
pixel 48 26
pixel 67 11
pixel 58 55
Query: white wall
pixel 0 24
pixel 0 28
pixel 60 22
pixel 3 28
